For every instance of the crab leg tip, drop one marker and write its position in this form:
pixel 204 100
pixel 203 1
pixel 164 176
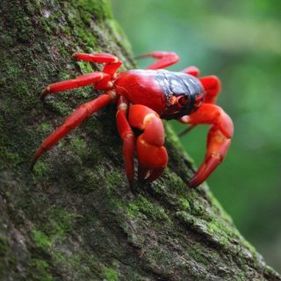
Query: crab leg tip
pixel 44 93
pixel 74 55
pixel 193 183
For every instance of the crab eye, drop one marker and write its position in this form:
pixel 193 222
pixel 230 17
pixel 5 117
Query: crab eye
pixel 183 100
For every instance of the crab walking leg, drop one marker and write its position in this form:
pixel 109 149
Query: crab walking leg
pixel 192 70
pixel 83 112
pixel 80 81
pixel 152 154
pixel 163 59
pixel 212 86
pixel 111 62
pixel 218 141
pixel 127 135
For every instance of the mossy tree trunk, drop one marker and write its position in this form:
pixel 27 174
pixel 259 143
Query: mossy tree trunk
pixel 75 218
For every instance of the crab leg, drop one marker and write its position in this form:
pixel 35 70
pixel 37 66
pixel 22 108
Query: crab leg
pixel 79 81
pixel 163 59
pixel 152 154
pixel 212 86
pixel 111 62
pixel 83 112
pixel 218 141
pixel 192 70
pixel 127 135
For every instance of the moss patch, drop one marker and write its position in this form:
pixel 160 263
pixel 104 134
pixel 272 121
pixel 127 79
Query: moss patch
pixel 60 222
pixel 144 206
pixel 41 239
pixel 39 270
pixel 110 274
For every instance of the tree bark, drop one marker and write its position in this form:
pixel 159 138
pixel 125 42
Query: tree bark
pixel 74 217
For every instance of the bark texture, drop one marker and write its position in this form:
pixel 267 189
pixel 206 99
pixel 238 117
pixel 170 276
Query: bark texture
pixel 75 218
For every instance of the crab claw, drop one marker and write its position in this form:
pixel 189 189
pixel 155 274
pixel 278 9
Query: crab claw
pixel 151 153
pixel 218 141
pixel 217 148
pixel 152 159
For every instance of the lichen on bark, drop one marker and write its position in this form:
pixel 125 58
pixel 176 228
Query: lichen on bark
pixel 74 217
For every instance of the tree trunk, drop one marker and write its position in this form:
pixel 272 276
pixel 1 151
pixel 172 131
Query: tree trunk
pixel 74 217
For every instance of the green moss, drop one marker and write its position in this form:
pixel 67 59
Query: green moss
pixel 110 274
pixel 79 146
pixel 60 222
pixel 81 265
pixel 142 205
pixel 217 231
pixel 217 228
pixel 40 169
pixel 199 255
pixel 57 222
pixel 175 184
pixel 85 36
pixel 225 233
pixel 184 204
pixel 22 90
pixel 11 68
pixel 45 128
pixel 113 179
pixel 85 67
pixel 59 107
pixel 198 209
pixel 9 157
pixel 133 210
pixel 41 239
pixel 3 246
pixel 40 270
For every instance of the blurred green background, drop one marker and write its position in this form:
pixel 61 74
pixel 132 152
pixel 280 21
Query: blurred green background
pixel 239 41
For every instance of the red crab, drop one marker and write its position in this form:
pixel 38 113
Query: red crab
pixel 143 98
